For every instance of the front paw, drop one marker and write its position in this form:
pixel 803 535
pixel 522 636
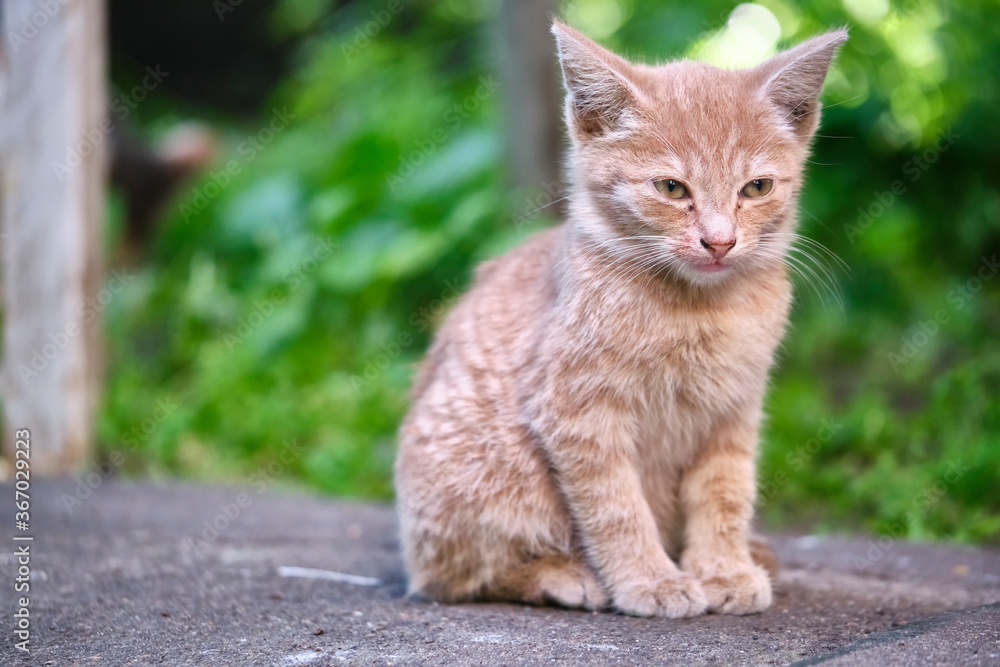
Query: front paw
pixel 676 595
pixel 740 589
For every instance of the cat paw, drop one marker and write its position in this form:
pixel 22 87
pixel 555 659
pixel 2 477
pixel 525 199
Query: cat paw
pixel 677 595
pixel 574 588
pixel 745 589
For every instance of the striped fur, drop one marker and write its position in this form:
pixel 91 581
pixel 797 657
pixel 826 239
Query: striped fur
pixel 584 429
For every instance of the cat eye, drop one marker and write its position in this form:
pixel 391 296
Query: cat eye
pixel 671 188
pixel 757 187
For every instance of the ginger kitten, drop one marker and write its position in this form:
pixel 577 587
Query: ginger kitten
pixel 584 429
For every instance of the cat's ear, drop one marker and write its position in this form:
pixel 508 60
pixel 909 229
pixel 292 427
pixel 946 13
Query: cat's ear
pixel 600 98
pixel 793 79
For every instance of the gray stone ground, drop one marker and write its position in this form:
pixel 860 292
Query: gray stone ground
pixel 116 581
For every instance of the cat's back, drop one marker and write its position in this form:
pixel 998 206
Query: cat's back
pixel 495 325
pixel 523 267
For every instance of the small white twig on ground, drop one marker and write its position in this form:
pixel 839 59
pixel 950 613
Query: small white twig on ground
pixel 309 573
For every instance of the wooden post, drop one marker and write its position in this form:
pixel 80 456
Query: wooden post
pixel 529 72
pixel 53 140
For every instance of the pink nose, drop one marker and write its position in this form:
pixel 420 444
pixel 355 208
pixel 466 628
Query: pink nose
pixel 718 249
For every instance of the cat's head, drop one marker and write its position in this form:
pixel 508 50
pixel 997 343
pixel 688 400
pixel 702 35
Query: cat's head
pixel 688 166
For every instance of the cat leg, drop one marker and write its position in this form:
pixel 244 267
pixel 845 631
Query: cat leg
pixel 718 493
pixel 472 506
pixel 552 579
pixel 441 568
pixel 591 450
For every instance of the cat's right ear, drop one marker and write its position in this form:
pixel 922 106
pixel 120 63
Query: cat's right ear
pixel 793 79
pixel 600 99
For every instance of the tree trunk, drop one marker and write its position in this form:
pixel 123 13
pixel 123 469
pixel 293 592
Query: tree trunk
pixel 53 168
pixel 529 75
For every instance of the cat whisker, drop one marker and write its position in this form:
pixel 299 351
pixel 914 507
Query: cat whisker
pixel 817 220
pixel 606 248
pixel 826 277
pixel 644 263
pixel 638 259
pixel 805 270
pixel 794 266
pixel 551 203
pixel 814 245
pixel 836 104
pixel 819 247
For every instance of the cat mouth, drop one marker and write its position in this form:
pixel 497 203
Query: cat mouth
pixel 711 267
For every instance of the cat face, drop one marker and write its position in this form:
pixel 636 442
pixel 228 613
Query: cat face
pixel 688 167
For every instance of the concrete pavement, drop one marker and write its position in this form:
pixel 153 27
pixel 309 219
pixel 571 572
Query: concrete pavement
pixel 179 574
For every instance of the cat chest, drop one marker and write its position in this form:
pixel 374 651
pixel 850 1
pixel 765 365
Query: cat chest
pixel 707 368
pixel 690 386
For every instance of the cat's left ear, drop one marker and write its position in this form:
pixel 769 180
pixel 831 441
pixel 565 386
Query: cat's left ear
pixel 793 79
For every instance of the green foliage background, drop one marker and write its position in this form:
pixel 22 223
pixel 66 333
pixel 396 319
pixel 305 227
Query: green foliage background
pixel 857 438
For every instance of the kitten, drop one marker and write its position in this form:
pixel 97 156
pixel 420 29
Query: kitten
pixel 584 429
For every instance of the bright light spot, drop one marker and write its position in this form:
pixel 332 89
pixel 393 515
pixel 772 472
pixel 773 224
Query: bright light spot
pixel 598 19
pixel 915 48
pixel 750 35
pixel 754 28
pixel 867 11
pixel 788 17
